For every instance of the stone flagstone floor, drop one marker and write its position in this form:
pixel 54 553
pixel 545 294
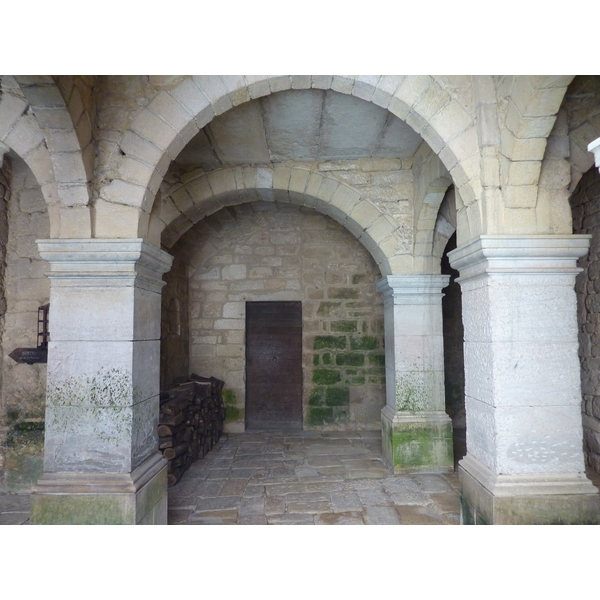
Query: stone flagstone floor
pixel 308 478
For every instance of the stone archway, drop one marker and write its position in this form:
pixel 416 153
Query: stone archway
pixel 273 251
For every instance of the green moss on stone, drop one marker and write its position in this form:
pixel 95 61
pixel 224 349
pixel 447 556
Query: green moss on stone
pixel 357 279
pixel 317 397
pixel 319 416
pixel 329 341
pixel 345 326
pixel 315 360
pixel 326 376
pixel 353 360
pixel 327 359
pixel 365 342
pixel 232 412
pixel 345 293
pixel 377 360
pixel 337 396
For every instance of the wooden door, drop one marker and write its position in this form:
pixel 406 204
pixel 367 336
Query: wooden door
pixel 274 365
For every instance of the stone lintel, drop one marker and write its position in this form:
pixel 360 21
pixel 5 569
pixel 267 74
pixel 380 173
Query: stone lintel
pixel 532 498
pixel 520 255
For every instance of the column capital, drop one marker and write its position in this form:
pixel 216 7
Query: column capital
pixel 520 255
pixel 594 148
pixel 412 289
pixel 105 262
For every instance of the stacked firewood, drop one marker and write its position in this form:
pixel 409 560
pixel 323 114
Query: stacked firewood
pixel 190 422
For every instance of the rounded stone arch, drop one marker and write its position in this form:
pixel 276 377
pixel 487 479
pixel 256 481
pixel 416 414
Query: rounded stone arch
pixel 427 225
pixel 206 193
pixel 172 118
pixel 531 105
pixel 36 124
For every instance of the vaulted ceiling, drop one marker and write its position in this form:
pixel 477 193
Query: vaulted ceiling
pixel 299 125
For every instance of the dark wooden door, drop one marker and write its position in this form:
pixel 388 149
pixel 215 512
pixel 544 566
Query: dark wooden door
pixel 274 365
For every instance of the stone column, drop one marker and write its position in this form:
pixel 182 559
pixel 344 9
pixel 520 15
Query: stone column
pixel 101 459
pixel 524 461
pixel 417 432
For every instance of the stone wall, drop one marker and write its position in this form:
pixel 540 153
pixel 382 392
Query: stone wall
pixel 268 251
pixel 26 288
pixel 5 176
pixel 585 204
pixel 175 338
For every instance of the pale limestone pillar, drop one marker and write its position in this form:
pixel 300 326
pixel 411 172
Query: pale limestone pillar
pixel 524 460
pixel 417 432
pixel 101 459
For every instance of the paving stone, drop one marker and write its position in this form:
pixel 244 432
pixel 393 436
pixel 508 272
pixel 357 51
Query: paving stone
pixel 218 474
pixel 252 506
pixel 14 503
pixel 221 503
pixel 374 497
pixel 409 498
pixel 343 502
pixel 451 519
pixel 247 473
pixel 323 461
pixel 298 484
pixel 446 503
pixel 207 489
pixel 366 474
pixel 331 473
pixel 182 503
pixel 303 472
pixel 432 483
pixel 298 488
pixel 213 517
pixel 233 487
pixel 14 518
pixel 381 515
pixel 364 464
pixel 178 516
pixel 308 507
pixel 417 515
pixel 341 518
pixel 400 485
pixel 308 497
pixel 274 505
pixel 252 520
pixel 290 519
pixel 253 490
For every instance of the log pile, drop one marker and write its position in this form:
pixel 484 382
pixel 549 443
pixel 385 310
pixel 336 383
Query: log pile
pixel 190 422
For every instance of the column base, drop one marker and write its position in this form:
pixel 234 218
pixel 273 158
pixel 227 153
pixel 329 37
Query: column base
pixel 137 498
pixel 417 442
pixel 528 499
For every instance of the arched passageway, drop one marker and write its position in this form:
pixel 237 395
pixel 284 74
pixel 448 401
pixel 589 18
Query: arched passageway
pixel 377 155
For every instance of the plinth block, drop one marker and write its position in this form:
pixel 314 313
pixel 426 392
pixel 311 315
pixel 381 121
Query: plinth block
pixel 414 443
pixel 137 498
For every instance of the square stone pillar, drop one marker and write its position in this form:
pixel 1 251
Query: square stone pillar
pixel 416 431
pixel 101 459
pixel 524 461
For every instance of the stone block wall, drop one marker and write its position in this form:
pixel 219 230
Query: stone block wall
pixel 279 252
pixel 25 288
pixel 174 338
pixel 585 204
